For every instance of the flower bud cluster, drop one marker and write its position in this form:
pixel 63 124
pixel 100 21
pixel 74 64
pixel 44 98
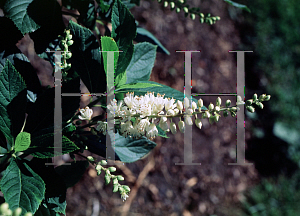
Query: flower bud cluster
pixel 65 42
pixel 257 101
pixel 5 211
pixel 123 189
pixel 138 115
pixel 180 5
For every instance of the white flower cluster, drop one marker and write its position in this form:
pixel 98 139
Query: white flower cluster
pixel 138 114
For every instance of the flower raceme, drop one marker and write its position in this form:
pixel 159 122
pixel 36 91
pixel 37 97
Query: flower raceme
pixel 142 115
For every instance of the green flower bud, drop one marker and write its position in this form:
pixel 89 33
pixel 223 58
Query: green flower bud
pixel 69 37
pixel 228 102
pixel 218 101
pixel 210 107
pixel 98 167
pixel 70 42
pixel 250 109
pixel 254 97
pixel 201 15
pixel 4 207
pixel 268 97
pixel 260 105
pixel 63 43
pixel 103 162
pixel 181 1
pixel 177 10
pixel 126 188
pixel 28 214
pixel 216 117
pixel 210 21
pixel 218 18
pixel 225 113
pixel 185 9
pixel 233 114
pixel 99 172
pixel 198 123
pixel 17 212
pixel 181 126
pixel 172 5
pixel 173 127
pixel 115 188
pixel 107 179
pixel 193 16
pixel 202 20
pixel 115 181
pixel 8 212
pixel 166 4
pixel 194 105
pixel 200 103
pixel 112 169
pixel 233 109
pixel 121 190
pixel 249 102
pixel 207 114
pixel 217 108
pixel 90 159
pixel 120 178
pixel 68 55
pixel 262 97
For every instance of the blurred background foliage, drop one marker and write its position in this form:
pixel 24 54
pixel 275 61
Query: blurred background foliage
pixel 272 31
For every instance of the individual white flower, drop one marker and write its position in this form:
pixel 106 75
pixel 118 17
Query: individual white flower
pixel 200 103
pixel 152 131
pixel 149 98
pixel 159 103
pixel 85 114
pixel 130 100
pixel 169 104
pixel 142 125
pixel 114 108
pixel 179 105
pixel 145 110
pixel 189 111
pixel 126 129
pixel 124 196
pixel 198 123
pixel 102 126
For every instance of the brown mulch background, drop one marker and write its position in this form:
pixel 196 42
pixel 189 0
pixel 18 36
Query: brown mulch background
pixel 159 187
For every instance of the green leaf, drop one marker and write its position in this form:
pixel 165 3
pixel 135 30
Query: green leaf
pixel 136 85
pixel 44 211
pixel 142 87
pixel 22 187
pixel 43 146
pixel 59 206
pixel 11 84
pixel 22 142
pixel 161 133
pixel 123 31
pixel 144 35
pixel 17 12
pixel 241 6
pixel 72 173
pixel 109 44
pixel 141 63
pixel 130 150
pixel 86 58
